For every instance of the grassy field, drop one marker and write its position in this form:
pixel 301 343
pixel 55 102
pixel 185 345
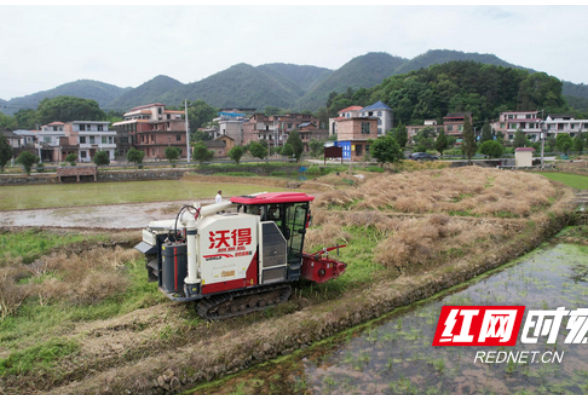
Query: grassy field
pixel 575 181
pixel 85 194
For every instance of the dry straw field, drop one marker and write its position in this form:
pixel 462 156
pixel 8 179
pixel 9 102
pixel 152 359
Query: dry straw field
pixel 414 220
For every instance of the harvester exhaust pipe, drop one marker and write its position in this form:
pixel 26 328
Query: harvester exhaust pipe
pixel 192 283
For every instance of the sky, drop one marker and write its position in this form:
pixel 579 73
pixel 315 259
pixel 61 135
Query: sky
pixel 43 47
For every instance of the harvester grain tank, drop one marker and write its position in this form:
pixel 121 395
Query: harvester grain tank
pixel 237 256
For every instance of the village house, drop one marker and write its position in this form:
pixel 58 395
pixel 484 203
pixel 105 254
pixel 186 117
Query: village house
pixel 349 112
pixel 354 134
pixel 274 129
pixel 48 141
pixel 511 121
pixel 85 138
pixel 383 113
pixel 309 131
pixel 413 130
pixel 565 123
pixel 453 124
pixel 151 128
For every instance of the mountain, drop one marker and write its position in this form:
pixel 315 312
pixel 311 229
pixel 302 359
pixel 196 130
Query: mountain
pixel 101 92
pixel 361 72
pixel 241 85
pixel 304 76
pixel 443 56
pixel 145 93
pixel 288 86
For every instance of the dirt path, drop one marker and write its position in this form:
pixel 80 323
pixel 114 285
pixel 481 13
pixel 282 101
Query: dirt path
pixel 116 216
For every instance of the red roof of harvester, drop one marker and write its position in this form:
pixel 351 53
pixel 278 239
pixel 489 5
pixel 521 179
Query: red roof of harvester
pixel 524 149
pixel 272 198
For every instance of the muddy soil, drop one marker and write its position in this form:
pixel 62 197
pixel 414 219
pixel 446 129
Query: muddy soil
pixel 116 216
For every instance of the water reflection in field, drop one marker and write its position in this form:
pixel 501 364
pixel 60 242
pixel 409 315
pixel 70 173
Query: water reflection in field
pixel 394 355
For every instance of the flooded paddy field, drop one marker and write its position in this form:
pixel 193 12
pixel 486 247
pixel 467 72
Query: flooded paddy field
pixel 394 355
pixel 86 194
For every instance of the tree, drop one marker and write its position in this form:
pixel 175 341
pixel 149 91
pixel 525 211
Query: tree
pixel 520 140
pixel 136 156
pixel 236 153
pixel 172 154
pixel 199 113
pixel 5 152
pixel 386 149
pixel 68 108
pixel 491 148
pixel 500 137
pixel 71 159
pixel 296 143
pixel 201 153
pixel 257 150
pixel 101 158
pixel 564 143
pixel 7 122
pixel 424 138
pixel 27 159
pixel 441 143
pixel 287 150
pixel 486 133
pixel 26 118
pixel 401 134
pixel 468 145
pixel 316 147
pixel 578 143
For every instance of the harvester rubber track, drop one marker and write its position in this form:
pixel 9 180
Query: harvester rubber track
pixel 240 303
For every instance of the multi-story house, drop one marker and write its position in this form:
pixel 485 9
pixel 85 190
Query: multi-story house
pixel 85 138
pixel 511 121
pixel 309 131
pixel 383 113
pixel 413 130
pixel 565 123
pixel 353 136
pixel 453 123
pixel 274 129
pixel 349 112
pixel 151 128
pixel 48 141
pixel 230 123
pixel 14 140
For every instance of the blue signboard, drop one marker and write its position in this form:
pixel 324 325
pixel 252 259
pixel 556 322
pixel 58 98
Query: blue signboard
pixel 346 146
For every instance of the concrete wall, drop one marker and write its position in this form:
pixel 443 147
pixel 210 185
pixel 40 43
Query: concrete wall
pixel 351 129
pixel 103 176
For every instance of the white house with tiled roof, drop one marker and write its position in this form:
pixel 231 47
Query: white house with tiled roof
pixel 383 113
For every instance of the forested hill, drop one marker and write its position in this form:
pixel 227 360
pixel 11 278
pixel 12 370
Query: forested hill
pixel 363 71
pixel 485 90
pixel 288 86
pixel 101 92
pixel 144 94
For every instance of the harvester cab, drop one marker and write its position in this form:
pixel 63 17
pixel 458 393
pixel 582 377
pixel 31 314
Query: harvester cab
pixel 237 256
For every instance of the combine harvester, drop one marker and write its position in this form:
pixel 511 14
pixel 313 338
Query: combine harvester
pixel 238 262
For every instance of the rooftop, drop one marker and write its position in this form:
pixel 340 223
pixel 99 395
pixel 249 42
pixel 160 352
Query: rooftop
pixel 351 108
pixel 273 198
pixel 148 105
pixel 524 149
pixel 377 106
pixel 458 115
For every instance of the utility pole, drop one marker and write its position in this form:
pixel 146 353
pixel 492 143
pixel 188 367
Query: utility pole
pixel 542 137
pixel 187 131
pixel 38 140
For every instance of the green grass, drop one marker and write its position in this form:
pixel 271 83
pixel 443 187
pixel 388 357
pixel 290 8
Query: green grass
pixel 40 357
pixel 33 322
pixel 85 194
pixel 575 181
pixel 32 244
